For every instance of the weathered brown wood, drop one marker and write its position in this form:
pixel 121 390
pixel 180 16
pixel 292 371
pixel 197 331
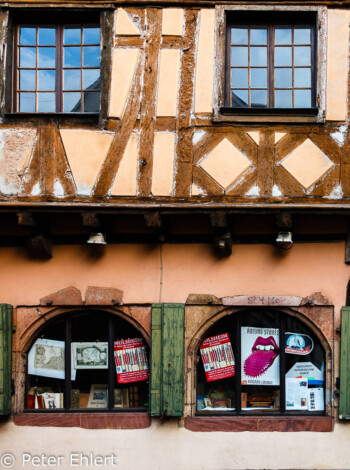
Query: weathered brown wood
pixel 85 420
pixel 107 23
pixel 286 145
pixel 132 41
pixel 265 424
pixel 148 111
pixel 172 42
pixel 206 145
pixel 205 181
pixel 266 163
pixel 120 140
pixel 184 147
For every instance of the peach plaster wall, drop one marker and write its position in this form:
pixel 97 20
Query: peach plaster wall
pixel 186 269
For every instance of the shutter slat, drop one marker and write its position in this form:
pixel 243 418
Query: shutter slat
pixel 156 361
pixel 5 358
pixel 344 399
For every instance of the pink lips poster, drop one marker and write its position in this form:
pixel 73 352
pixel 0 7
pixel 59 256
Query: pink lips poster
pixel 260 356
pixel 217 356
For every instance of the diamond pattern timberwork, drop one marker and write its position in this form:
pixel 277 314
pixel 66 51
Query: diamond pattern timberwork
pixel 307 164
pixel 225 163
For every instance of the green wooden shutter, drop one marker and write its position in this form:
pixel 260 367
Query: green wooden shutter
pixel 5 358
pixel 344 398
pixel 167 360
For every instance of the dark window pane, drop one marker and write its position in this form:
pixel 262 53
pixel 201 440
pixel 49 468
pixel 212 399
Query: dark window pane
pixel 71 102
pixel 239 56
pixel 239 35
pixel 26 102
pixel 258 98
pixel 46 103
pixel 27 57
pixel 91 35
pixel 47 36
pixel 47 57
pixel 258 78
pixel 302 78
pixel 283 78
pixel 302 98
pixel 46 79
pixel 283 56
pixel 72 34
pixel 302 55
pixel 258 56
pixel 283 35
pixel 27 35
pixel 91 56
pixel 258 35
pixel 239 98
pixel 91 79
pixel 72 80
pixel 302 35
pixel 27 80
pixel 92 102
pixel 239 78
pixel 72 57
pixel 283 99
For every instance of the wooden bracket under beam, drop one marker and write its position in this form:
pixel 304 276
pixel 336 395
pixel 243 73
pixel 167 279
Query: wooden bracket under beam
pixel 153 220
pixel 39 247
pixel 347 249
pixel 90 219
pixel 284 220
pixel 26 219
pixel 218 219
pixel 223 244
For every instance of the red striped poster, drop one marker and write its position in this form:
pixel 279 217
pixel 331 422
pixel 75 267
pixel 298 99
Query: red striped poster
pixel 131 360
pixel 217 357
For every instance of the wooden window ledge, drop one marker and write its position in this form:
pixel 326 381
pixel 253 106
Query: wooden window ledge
pixel 85 420
pixel 261 424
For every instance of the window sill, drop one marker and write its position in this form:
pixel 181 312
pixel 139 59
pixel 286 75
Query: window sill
pixel 85 420
pixel 260 424
pixel 227 114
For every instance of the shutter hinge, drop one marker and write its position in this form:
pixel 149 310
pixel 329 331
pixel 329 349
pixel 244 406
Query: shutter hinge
pixel 1 391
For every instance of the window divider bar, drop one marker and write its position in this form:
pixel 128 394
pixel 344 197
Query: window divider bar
pixel 111 368
pixel 68 362
pixel 282 366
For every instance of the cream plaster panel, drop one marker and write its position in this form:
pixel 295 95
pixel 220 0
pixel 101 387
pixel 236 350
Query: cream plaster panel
pixel 124 26
pixel 204 83
pixel 172 21
pixel 255 136
pixel 168 82
pixel 86 151
pixel 307 163
pixel 278 136
pixel 16 148
pixel 125 183
pixel 225 163
pixel 163 164
pixel 123 71
pixel 337 65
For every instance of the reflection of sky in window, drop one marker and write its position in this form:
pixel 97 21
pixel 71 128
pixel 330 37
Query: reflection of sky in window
pixel 46 79
pixel 27 102
pixel 72 57
pixel 46 102
pixel 47 57
pixel 47 36
pixel 27 57
pixel 27 35
pixel 72 34
pixel 72 80
pixel 91 79
pixel 27 80
pixel 91 35
pixel 91 56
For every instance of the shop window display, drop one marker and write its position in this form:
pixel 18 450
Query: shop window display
pixel 260 361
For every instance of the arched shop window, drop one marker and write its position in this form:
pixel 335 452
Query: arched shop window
pixel 260 362
pixel 88 361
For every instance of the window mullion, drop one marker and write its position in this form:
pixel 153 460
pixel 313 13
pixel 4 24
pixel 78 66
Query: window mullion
pixel 271 66
pixel 59 68
pixel 68 362
pixel 282 365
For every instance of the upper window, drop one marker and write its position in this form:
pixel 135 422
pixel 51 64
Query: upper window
pixel 261 361
pixel 271 64
pixel 57 68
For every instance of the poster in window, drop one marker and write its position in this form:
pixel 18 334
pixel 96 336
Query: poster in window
pixel 260 356
pixel 131 360
pixel 217 357
pixel 46 358
pixel 299 344
pixel 296 394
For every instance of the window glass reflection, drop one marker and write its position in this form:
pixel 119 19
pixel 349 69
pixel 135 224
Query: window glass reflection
pixel 27 35
pixel 27 102
pixel 47 36
pixel 46 103
pixel 27 79
pixel 72 34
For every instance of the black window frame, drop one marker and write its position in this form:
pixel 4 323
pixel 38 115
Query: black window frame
pixel 237 321
pixel 59 19
pixel 270 19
